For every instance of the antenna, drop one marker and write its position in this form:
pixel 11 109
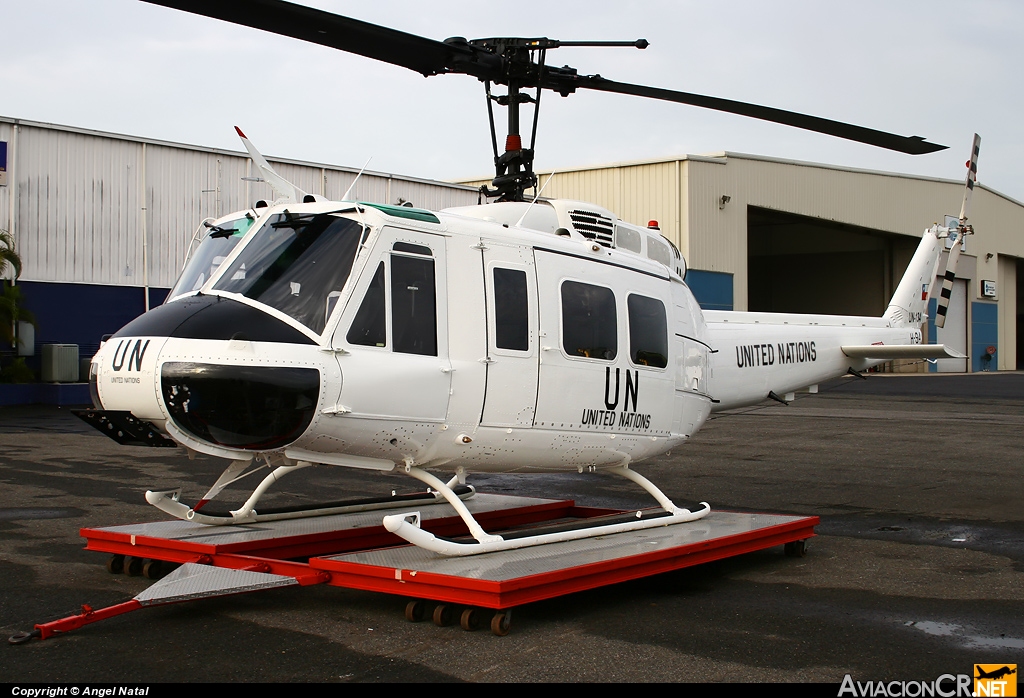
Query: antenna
pixel 281 186
pixel 344 197
pixel 520 222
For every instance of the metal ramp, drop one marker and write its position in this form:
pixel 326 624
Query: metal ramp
pixel 192 581
pixel 501 580
pixel 355 551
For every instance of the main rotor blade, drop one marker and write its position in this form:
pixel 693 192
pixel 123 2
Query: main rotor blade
pixel 913 145
pixel 417 53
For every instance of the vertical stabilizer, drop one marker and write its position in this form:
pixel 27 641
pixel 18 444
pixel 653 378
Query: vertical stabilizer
pixel 909 305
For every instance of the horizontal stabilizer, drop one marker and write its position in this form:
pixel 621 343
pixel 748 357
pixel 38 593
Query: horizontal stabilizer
pixel 886 352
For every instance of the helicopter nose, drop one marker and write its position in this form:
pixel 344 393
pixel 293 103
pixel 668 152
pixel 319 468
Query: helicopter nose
pixel 212 317
pixel 241 406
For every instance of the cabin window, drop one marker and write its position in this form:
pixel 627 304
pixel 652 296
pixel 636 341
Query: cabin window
pixel 369 328
pixel 627 239
pixel 294 263
pixel 588 321
pixel 511 310
pixel 659 251
pixel 413 305
pixel 648 331
pixel 412 249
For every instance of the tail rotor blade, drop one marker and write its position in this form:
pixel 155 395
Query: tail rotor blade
pixel 972 178
pixel 942 307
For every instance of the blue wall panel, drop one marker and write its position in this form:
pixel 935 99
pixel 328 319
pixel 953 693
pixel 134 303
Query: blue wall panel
pixel 82 313
pixel 712 289
pixel 933 303
pixel 984 334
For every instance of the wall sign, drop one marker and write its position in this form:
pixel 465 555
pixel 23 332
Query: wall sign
pixel 988 289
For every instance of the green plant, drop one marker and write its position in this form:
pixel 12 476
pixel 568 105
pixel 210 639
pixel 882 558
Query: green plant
pixel 17 372
pixel 8 257
pixel 11 311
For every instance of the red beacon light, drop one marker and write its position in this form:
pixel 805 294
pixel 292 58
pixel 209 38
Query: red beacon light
pixel 653 225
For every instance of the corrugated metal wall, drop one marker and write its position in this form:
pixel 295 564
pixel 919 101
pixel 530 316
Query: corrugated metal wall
pixel 78 216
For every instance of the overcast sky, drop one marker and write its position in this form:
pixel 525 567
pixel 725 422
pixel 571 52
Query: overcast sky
pixel 942 70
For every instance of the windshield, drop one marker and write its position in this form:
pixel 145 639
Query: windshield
pixel 297 264
pixel 216 246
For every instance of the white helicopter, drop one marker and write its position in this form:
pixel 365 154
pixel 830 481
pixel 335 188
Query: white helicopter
pixel 517 336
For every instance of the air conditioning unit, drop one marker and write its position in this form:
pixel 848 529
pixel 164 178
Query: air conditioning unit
pixel 26 339
pixel 60 363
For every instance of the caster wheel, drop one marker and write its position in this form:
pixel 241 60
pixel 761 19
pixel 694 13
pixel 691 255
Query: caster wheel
pixel 501 623
pixel 154 569
pixel 115 565
pixel 470 619
pixel 132 566
pixel 443 615
pixel 415 611
pixel 797 548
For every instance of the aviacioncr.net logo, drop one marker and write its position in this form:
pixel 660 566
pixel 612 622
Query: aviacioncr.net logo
pixel 995 680
pixel 946 686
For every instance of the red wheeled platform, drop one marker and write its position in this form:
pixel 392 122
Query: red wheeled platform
pixel 355 551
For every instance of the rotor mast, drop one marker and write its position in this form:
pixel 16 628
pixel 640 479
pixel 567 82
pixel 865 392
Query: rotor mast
pixel 513 169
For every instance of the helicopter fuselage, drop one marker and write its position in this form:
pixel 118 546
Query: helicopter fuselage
pixel 371 337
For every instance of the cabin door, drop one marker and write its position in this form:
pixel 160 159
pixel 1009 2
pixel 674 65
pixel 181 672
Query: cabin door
pixel 510 287
pixel 393 336
pixel 604 348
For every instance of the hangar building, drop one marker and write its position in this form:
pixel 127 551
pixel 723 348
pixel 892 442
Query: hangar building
pixel 95 250
pixel 766 234
pixel 758 233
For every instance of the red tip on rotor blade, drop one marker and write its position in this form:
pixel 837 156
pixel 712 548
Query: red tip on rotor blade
pixel 239 132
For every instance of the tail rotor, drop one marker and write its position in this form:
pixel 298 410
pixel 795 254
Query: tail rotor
pixel 955 234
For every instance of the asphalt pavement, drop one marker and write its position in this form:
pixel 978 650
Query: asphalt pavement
pixel 917 571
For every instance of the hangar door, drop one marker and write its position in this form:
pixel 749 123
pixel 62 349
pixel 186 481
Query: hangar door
pixel 800 264
pixel 954 333
pixel 1019 292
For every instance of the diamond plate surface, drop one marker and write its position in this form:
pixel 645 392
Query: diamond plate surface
pixel 514 564
pixel 244 533
pixel 191 581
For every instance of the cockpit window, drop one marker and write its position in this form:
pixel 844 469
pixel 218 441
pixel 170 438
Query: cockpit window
pixel 220 240
pixel 296 263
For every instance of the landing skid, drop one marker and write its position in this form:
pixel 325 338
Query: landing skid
pixel 407 525
pixel 168 501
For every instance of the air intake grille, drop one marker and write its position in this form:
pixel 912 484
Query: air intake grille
pixel 593 225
